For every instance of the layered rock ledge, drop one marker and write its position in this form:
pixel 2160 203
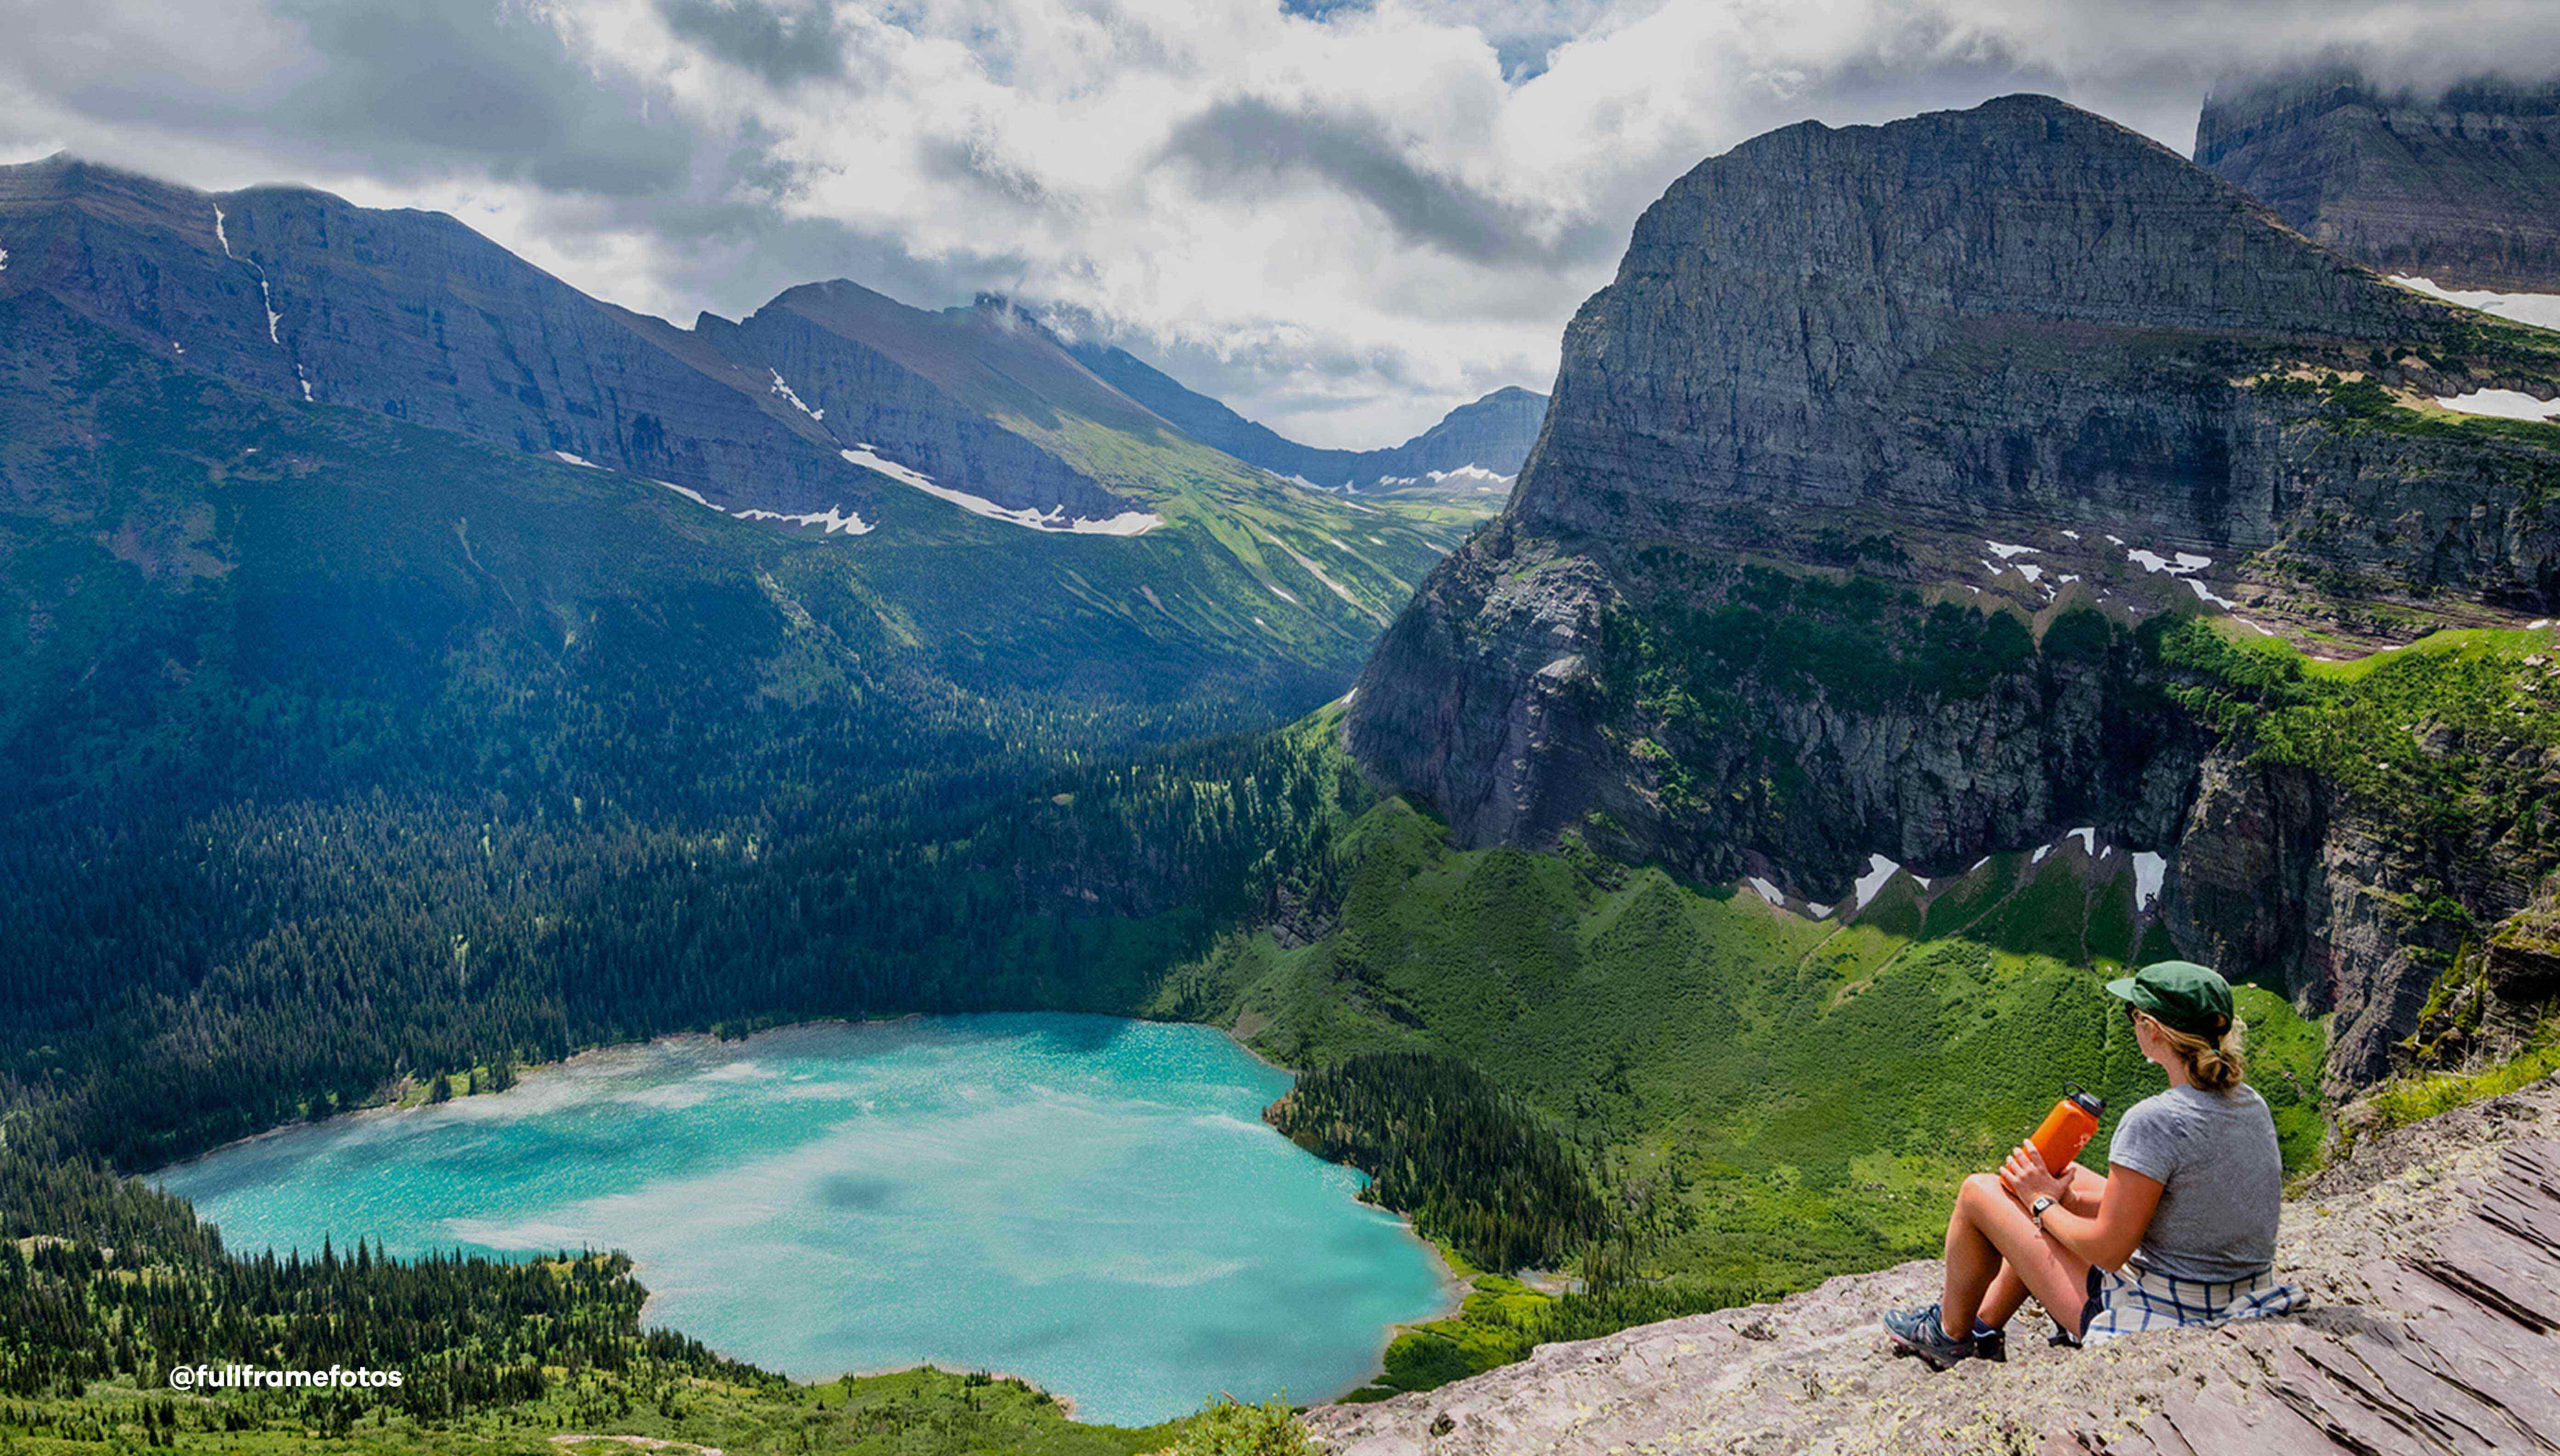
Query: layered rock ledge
pixel 2431 1257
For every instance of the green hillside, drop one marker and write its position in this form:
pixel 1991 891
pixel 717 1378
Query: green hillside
pixel 1776 1099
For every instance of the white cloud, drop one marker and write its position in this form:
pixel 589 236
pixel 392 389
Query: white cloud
pixel 1343 222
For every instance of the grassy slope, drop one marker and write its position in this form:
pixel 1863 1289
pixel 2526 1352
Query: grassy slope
pixel 1778 1100
pixel 1797 1095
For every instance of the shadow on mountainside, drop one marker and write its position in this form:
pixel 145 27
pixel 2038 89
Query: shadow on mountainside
pixel 2431 1259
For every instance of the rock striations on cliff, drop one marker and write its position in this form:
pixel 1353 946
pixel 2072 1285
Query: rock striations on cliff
pixel 1867 482
pixel 2432 1262
pixel 2459 184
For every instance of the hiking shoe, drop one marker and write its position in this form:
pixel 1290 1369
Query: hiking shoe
pixel 1919 1332
pixel 1991 1345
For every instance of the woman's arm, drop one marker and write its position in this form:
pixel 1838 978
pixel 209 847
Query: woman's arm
pixel 2106 1236
pixel 2082 1188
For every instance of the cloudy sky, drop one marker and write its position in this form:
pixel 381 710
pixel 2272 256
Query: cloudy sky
pixel 1342 216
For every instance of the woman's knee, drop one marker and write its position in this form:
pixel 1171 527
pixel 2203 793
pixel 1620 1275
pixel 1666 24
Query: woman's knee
pixel 1981 1191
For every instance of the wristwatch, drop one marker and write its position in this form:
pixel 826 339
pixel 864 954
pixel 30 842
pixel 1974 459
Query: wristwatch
pixel 2035 1211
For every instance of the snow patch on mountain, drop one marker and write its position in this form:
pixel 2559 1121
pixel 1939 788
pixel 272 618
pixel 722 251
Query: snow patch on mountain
pixel 2541 310
pixel 834 519
pixel 1307 565
pixel 689 494
pixel 1126 523
pixel 2501 405
pixel 2185 562
pixel 1879 871
pixel 2151 871
pixel 786 391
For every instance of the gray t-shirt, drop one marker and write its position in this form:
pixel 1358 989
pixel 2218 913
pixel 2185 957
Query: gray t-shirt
pixel 2222 1180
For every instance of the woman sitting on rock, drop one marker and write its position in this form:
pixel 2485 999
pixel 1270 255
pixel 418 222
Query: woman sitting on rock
pixel 2181 1229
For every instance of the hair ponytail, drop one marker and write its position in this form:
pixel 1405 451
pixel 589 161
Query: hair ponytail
pixel 2216 1065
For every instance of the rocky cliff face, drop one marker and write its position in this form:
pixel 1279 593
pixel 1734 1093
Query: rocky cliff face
pixel 1868 487
pixel 2461 185
pixel 2021 315
pixel 2430 1260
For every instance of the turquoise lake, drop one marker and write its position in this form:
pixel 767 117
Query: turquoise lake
pixel 1091 1203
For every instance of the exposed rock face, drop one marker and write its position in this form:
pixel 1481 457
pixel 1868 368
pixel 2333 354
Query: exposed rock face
pixel 1493 433
pixel 2019 315
pixel 2432 1259
pixel 1507 694
pixel 1851 386
pixel 300 294
pixel 2462 186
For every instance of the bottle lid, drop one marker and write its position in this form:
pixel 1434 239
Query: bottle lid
pixel 2090 1103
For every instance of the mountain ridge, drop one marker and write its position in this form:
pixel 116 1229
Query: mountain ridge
pixel 295 292
pixel 1492 432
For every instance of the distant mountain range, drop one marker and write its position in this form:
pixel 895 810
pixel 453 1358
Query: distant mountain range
pixel 1490 437
pixel 955 467
pixel 2461 185
pixel 270 461
pixel 812 402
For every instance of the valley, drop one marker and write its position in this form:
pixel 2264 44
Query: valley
pixel 1657 837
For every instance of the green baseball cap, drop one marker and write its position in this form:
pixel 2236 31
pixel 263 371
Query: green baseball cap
pixel 2181 994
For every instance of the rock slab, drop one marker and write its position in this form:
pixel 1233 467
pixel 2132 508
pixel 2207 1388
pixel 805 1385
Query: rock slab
pixel 2432 1259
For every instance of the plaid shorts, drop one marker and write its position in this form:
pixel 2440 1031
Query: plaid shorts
pixel 2132 1302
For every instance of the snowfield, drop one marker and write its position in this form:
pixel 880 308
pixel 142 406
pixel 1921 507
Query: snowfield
pixel 1126 523
pixel 2501 405
pixel 2541 310
pixel 834 519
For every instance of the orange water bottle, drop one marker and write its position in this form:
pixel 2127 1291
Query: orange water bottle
pixel 2067 1129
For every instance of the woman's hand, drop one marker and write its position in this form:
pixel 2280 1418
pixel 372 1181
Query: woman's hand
pixel 2027 1179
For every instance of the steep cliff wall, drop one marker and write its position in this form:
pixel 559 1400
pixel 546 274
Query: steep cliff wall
pixel 2459 185
pixel 1875 489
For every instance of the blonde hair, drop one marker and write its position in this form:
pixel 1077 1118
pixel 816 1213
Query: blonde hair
pixel 2216 1065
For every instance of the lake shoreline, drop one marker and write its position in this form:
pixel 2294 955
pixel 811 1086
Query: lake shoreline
pixel 1450 1289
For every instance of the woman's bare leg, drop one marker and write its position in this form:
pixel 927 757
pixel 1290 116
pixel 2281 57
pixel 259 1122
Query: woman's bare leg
pixel 1988 1235
pixel 2001 1301
pixel 2009 1291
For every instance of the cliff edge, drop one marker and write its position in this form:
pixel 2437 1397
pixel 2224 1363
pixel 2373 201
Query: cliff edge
pixel 2431 1257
